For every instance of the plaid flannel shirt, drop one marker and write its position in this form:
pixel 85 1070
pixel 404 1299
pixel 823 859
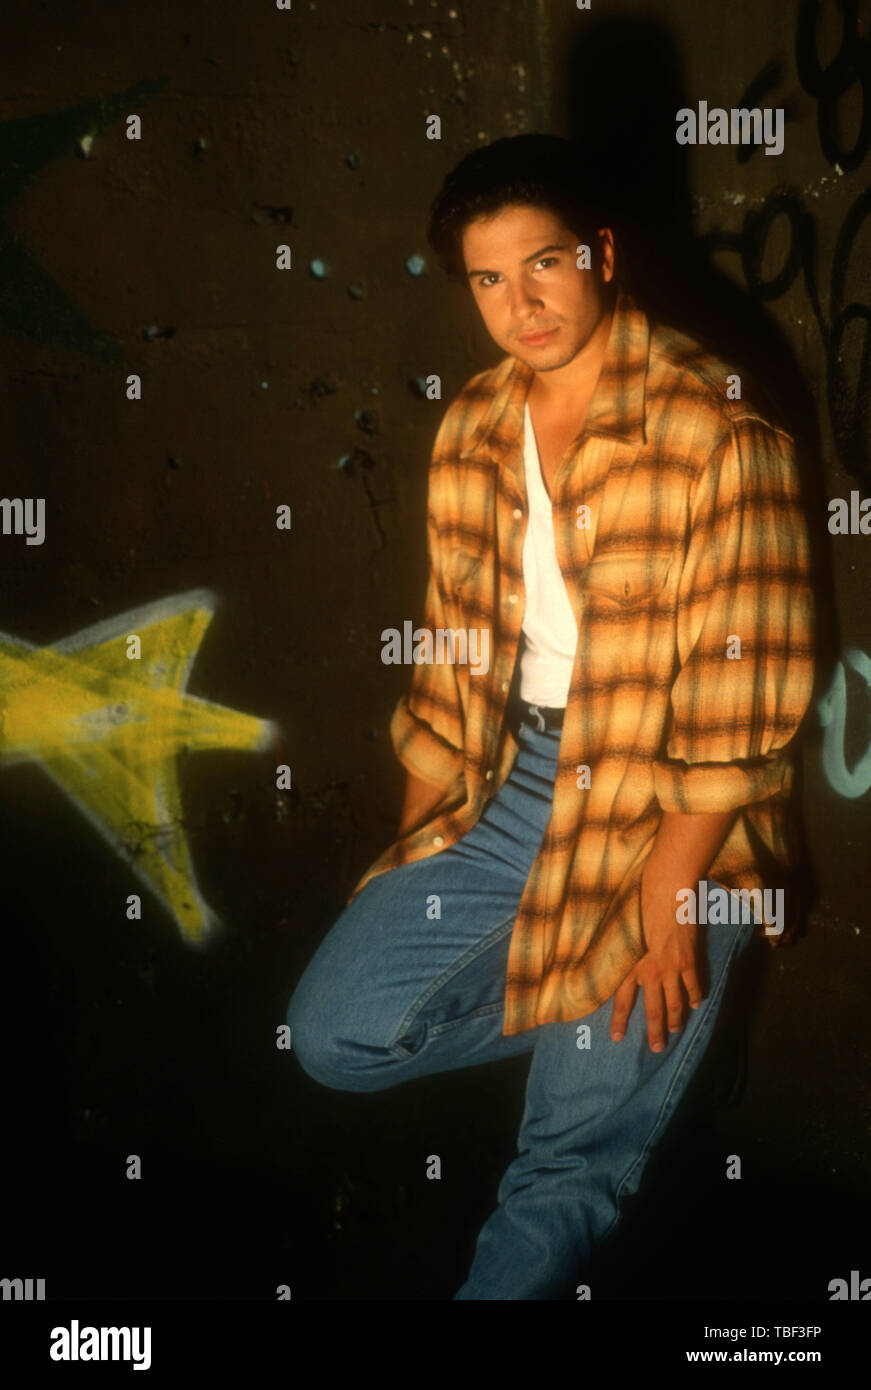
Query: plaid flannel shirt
pixel 696 535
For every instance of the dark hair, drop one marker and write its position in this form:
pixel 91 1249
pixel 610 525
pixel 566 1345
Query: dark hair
pixel 543 171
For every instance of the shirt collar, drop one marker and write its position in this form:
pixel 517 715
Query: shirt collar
pixel 617 407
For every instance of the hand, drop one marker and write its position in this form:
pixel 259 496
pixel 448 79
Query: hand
pixel 670 960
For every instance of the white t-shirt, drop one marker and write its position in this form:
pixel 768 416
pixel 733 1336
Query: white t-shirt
pixel 549 632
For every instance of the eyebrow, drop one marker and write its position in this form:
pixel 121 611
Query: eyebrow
pixel 536 255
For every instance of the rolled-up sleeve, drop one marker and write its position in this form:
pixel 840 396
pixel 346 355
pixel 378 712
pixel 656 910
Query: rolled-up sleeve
pixel 745 579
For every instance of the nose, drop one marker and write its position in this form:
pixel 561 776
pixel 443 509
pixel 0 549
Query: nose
pixel 523 303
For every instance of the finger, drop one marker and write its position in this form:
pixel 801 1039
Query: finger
pixel 653 1007
pixel 673 1001
pixel 692 986
pixel 624 1000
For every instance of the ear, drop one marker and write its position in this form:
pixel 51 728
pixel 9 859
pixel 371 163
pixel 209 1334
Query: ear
pixel 606 253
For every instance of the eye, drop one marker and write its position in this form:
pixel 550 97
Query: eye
pixel 544 261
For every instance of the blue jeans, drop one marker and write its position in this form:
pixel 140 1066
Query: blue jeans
pixel 392 994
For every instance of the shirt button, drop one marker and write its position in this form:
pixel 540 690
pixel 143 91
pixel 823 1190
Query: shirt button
pixel 517 513
pixel 489 774
pixel 438 840
pixel 512 598
pixel 505 685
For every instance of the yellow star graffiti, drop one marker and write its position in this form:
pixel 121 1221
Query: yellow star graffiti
pixel 108 730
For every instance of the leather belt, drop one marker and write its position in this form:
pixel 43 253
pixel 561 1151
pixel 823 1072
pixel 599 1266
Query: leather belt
pixel 540 717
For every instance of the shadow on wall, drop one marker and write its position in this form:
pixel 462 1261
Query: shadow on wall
pixel 623 88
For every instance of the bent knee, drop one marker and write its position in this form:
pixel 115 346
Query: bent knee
pixel 311 1038
pixel 326 1040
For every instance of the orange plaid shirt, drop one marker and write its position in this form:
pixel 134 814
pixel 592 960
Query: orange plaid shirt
pixel 696 535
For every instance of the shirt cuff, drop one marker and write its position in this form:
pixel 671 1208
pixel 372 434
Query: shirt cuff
pixel 422 751
pixel 695 787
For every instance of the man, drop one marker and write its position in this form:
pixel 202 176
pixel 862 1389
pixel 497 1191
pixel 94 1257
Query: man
pixel 627 530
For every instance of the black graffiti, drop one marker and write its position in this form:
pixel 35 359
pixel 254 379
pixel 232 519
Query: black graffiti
pixel 849 405
pixel 851 63
pixel 848 396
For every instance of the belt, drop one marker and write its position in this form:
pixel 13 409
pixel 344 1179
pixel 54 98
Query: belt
pixel 540 717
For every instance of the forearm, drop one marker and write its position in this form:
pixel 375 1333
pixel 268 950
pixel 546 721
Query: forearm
pixel 686 846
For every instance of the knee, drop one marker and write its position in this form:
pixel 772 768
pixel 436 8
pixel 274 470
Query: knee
pixel 312 1038
pixel 327 1037
pixel 336 1014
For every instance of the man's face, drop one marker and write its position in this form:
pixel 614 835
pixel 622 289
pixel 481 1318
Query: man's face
pixel 522 268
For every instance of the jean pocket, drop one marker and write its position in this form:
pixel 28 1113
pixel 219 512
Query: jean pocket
pixel 411 1042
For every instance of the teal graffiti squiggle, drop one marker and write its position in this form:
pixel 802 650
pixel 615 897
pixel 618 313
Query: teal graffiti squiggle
pixel 832 712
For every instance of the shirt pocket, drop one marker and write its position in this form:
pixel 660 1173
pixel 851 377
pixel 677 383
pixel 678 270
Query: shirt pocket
pixel 627 578
pixel 463 570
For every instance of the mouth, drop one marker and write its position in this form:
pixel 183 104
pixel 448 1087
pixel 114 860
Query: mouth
pixel 533 339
